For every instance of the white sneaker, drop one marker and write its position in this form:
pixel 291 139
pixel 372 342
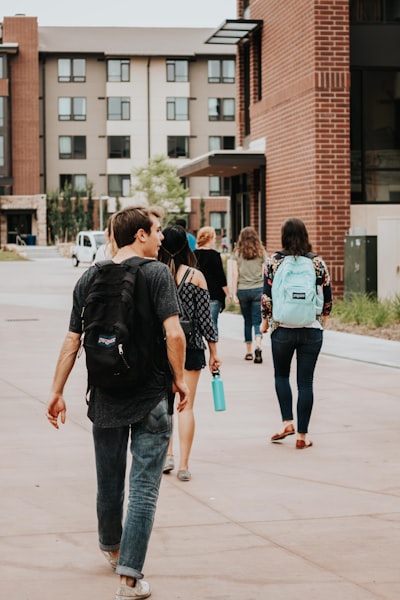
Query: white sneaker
pixel 140 590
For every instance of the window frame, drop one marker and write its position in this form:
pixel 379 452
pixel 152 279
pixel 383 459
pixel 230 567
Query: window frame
pixel 71 178
pixel 222 65
pixel 124 71
pixel 221 113
pixel 374 152
pixel 74 153
pixel 72 72
pixel 223 142
pixel 124 107
pixel 73 114
pixel 124 150
pixel 122 177
pixel 172 74
pixel 177 144
pixel 173 109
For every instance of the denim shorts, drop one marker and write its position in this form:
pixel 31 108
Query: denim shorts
pixel 195 360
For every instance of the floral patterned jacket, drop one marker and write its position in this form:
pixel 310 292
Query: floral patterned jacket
pixel 323 279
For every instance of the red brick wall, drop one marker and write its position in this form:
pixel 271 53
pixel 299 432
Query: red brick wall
pixel 24 90
pixel 304 117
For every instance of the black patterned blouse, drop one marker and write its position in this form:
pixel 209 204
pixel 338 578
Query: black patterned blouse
pixel 196 301
pixel 323 280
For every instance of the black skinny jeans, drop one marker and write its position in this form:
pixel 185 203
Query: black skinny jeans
pixel 307 343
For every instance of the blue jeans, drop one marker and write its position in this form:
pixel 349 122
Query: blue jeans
pixel 250 305
pixel 307 343
pixel 148 445
pixel 215 308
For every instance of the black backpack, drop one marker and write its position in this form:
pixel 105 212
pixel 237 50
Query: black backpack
pixel 119 328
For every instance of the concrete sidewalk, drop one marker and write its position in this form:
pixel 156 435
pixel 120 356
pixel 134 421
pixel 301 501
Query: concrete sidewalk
pixel 258 520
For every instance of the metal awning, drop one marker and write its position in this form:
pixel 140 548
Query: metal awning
pixel 232 31
pixel 223 163
pixel 9 48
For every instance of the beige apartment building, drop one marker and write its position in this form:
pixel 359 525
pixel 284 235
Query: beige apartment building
pixel 87 105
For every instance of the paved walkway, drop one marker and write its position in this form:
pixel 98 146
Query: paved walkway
pixel 257 521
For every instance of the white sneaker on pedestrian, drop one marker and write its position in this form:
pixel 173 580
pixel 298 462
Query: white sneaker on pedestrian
pixel 141 589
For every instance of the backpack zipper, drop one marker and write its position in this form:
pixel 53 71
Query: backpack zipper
pixel 121 353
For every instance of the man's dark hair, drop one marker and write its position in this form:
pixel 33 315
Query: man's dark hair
pixel 126 223
pixel 181 222
pixel 295 237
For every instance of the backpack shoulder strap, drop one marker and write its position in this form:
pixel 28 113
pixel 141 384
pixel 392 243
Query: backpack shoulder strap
pixel 185 276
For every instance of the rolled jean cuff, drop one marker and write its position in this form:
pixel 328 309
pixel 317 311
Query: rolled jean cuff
pixel 109 548
pixel 128 572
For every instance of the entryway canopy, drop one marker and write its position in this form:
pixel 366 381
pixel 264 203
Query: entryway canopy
pixel 232 31
pixel 223 163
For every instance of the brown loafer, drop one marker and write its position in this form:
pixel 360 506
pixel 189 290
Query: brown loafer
pixel 289 430
pixel 300 444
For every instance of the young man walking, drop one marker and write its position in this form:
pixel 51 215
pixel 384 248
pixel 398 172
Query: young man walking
pixel 139 418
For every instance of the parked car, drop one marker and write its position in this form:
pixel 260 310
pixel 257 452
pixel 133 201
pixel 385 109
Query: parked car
pixel 87 243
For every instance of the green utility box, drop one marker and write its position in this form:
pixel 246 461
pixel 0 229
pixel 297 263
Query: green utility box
pixel 360 264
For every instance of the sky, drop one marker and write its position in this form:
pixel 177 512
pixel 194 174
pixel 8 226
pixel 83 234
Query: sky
pixel 123 13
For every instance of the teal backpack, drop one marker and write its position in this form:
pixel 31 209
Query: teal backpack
pixel 295 299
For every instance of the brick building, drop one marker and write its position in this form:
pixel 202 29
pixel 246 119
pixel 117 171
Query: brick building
pixel 87 105
pixel 318 111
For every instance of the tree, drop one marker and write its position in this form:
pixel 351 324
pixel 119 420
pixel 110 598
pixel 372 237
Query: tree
pixel 160 186
pixel 54 217
pixel 202 212
pixel 79 213
pixel 90 206
pixel 68 216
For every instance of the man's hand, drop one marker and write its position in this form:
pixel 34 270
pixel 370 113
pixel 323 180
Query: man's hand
pixel 182 389
pixel 56 408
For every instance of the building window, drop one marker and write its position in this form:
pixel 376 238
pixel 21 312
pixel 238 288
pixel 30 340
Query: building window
pixel 221 142
pixel 221 71
pixel 2 67
pixel 219 186
pixel 72 109
pixel 177 109
pixel 2 111
pixel 119 146
pixel 217 221
pixel 178 146
pixel 2 157
pixel 221 109
pixel 72 146
pixel 375 136
pixel 374 11
pixel 118 109
pixel 119 185
pixel 177 70
pixel 78 183
pixel 71 69
pixel 118 70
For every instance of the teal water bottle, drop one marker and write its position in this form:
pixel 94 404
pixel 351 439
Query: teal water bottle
pixel 218 391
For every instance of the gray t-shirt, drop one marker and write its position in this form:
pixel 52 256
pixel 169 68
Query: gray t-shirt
pixel 107 409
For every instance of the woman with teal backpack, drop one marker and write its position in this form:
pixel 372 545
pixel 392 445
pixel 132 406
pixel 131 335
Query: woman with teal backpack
pixel 302 288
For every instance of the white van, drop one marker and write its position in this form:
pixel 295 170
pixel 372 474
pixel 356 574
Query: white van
pixel 87 244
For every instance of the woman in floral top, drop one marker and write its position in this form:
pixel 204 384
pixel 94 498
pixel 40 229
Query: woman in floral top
pixel 195 298
pixel 285 339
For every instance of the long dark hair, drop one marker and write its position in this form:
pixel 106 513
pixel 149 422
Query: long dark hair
pixel 295 237
pixel 175 250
